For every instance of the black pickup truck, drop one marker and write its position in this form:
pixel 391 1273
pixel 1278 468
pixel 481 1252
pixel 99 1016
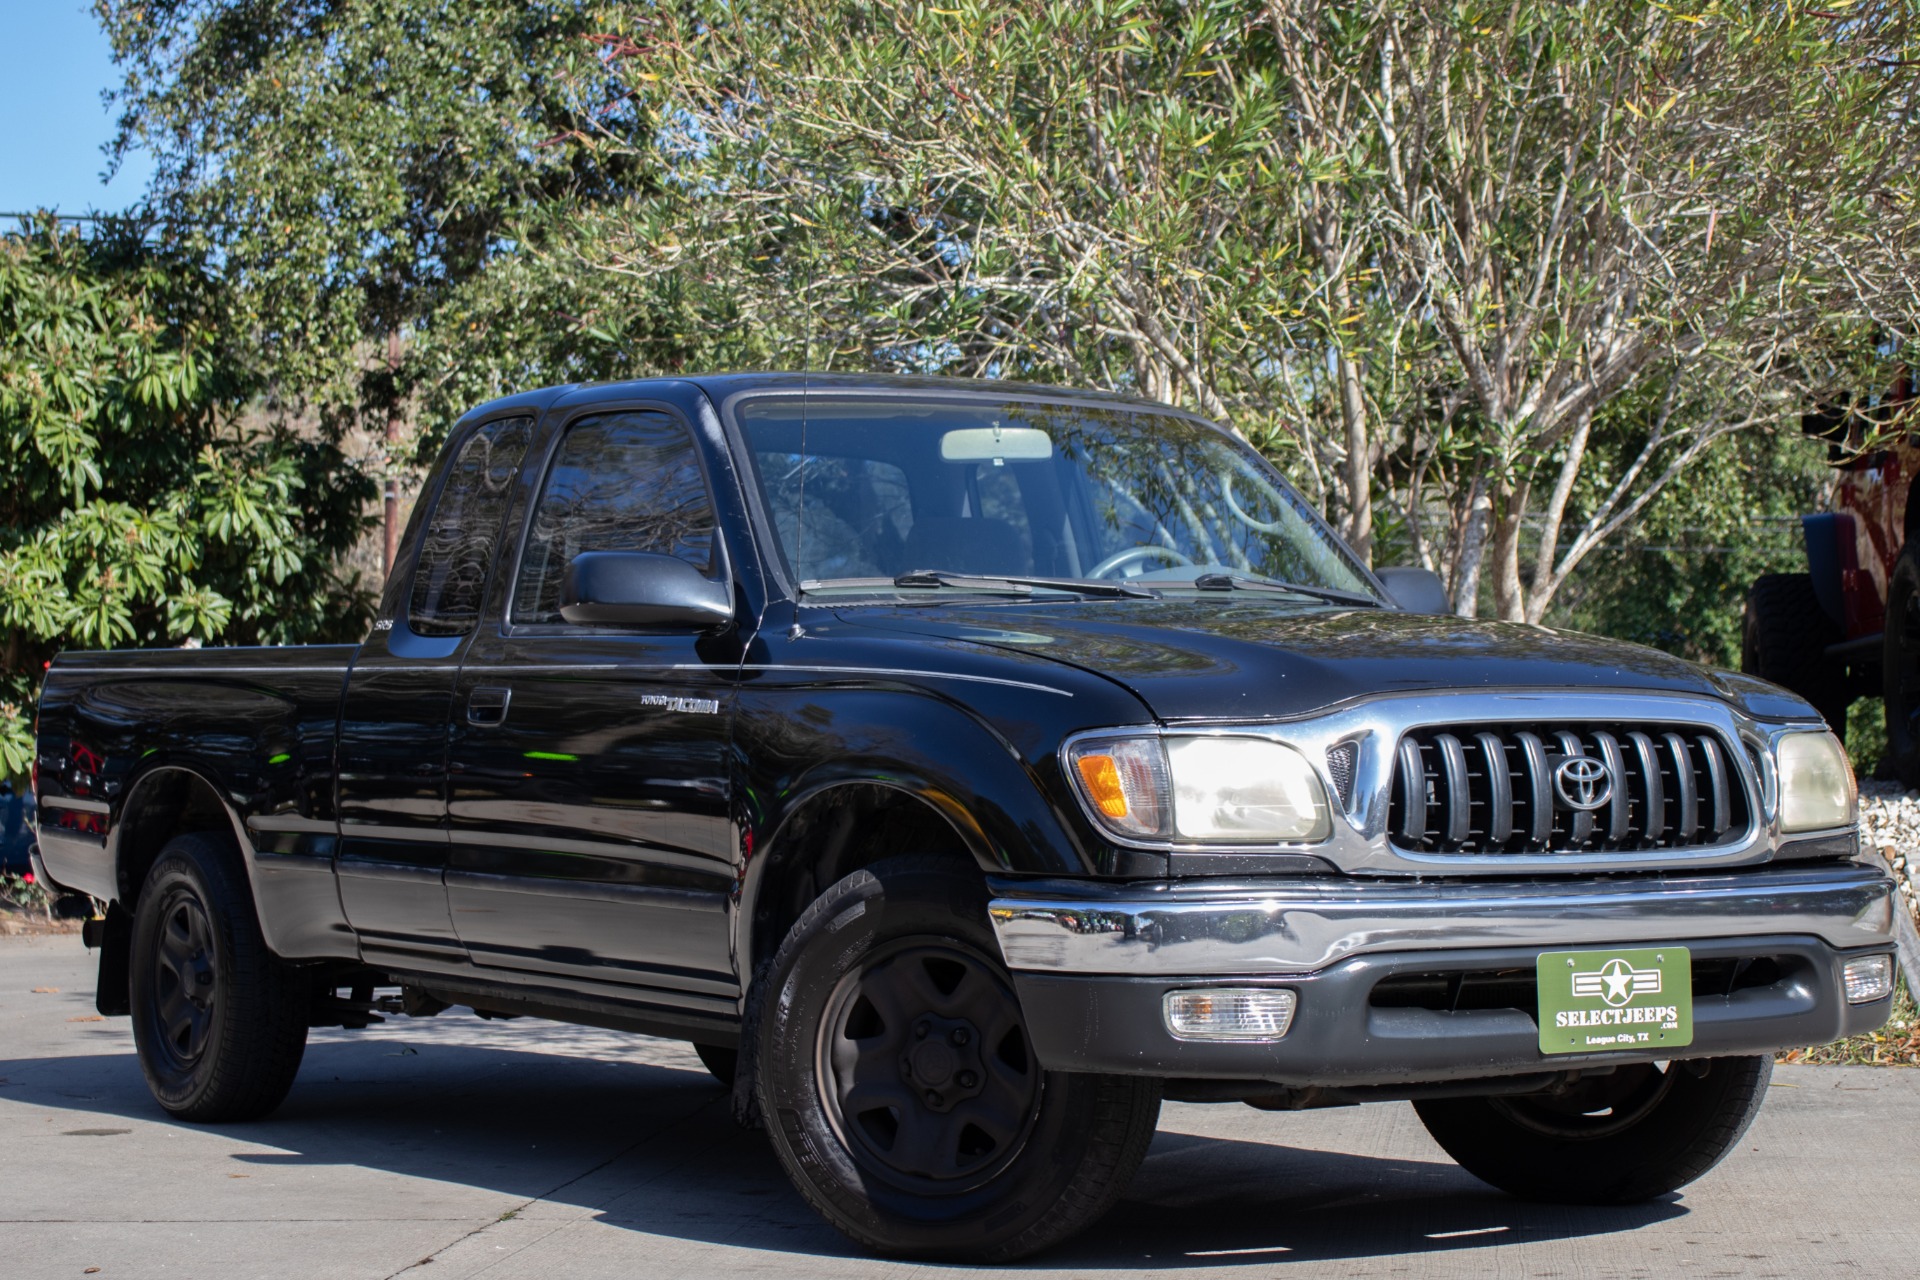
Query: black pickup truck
pixel 963 768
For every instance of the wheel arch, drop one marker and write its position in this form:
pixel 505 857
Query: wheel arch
pixel 834 828
pixel 164 802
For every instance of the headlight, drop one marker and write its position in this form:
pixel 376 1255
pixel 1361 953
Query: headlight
pixel 1218 790
pixel 1816 783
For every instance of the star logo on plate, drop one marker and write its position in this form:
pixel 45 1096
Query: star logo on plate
pixel 1617 982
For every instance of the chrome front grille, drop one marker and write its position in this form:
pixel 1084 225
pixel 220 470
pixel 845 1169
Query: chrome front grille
pixel 1508 789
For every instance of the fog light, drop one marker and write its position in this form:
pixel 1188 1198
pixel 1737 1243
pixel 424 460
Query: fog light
pixel 1229 1013
pixel 1868 978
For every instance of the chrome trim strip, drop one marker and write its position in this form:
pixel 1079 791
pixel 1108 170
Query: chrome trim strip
pixel 200 672
pixel 547 842
pixel 74 802
pixel 281 824
pixel 639 895
pixel 1361 842
pixel 917 675
pixel 1303 925
pixel 561 668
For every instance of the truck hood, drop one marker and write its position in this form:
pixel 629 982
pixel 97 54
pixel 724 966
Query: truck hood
pixel 1255 659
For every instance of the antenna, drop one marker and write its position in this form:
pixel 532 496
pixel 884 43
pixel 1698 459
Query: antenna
pixel 806 372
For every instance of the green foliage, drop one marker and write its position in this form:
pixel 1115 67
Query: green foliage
pixel 1678 578
pixel 25 894
pixel 358 167
pixel 135 508
pixel 1866 734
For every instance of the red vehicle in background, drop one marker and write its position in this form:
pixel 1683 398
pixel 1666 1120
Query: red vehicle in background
pixel 1849 627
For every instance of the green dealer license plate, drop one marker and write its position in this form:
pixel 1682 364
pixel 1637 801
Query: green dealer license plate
pixel 1595 1001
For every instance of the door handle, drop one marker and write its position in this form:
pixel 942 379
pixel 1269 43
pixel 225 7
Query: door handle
pixel 487 704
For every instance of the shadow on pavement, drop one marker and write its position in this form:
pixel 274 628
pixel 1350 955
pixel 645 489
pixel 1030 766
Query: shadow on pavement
pixel 651 1147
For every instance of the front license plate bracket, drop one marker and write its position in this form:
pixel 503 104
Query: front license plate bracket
pixel 1610 1001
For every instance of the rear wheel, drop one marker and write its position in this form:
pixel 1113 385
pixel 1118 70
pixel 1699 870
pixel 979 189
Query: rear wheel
pixel 900 1089
pixel 1900 667
pixel 1637 1132
pixel 219 1021
pixel 1784 638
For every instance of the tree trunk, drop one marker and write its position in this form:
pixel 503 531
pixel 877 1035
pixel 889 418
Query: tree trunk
pixel 1353 414
pixel 1473 551
pixel 1510 503
pixel 393 439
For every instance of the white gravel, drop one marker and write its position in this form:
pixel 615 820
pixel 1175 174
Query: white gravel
pixel 1890 825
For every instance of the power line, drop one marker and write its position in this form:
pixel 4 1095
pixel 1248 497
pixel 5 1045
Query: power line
pixel 61 217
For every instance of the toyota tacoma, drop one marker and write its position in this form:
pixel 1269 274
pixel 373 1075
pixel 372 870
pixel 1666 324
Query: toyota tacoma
pixel 963 768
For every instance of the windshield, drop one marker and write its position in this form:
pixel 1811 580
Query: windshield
pixel 869 489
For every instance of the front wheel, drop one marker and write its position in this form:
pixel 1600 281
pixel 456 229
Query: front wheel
pixel 219 1021
pixel 1636 1132
pixel 899 1086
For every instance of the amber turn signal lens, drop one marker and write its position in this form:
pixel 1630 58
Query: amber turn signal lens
pixel 1102 777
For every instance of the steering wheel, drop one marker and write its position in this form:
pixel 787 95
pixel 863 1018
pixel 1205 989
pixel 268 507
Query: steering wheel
pixel 1240 513
pixel 1133 555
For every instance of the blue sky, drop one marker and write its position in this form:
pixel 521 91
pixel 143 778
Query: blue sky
pixel 52 121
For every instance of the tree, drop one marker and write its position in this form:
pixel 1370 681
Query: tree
pixel 1712 196
pixel 353 166
pixel 1458 231
pixel 1067 192
pixel 137 503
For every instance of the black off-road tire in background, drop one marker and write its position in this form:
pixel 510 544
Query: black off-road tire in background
pixel 1900 668
pixel 1784 638
pixel 220 1022
pixel 897 1083
pixel 1637 1133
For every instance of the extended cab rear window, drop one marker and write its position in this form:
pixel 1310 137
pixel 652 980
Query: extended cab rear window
pixel 451 575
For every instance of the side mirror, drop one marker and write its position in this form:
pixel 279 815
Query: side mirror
pixel 641 589
pixel 1415 590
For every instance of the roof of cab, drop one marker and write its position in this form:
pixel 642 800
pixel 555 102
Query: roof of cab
pixel 720 386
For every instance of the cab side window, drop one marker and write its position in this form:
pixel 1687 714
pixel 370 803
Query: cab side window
pixel 627 481
pixel 451 576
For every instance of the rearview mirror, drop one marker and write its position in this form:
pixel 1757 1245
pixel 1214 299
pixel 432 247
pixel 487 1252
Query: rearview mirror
pixel 996 444
pixel 641 589
pixel 1415 590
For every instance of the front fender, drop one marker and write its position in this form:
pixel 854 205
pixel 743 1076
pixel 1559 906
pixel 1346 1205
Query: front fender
pixel 1000 804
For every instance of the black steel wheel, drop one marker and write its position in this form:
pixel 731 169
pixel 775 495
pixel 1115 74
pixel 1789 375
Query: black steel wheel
pixel 1636 1132
pixel 1597 1106
pixel 1900 667
pixel 925 1069
pixel 180 1011
pixel 892 1068
pixel 220 1022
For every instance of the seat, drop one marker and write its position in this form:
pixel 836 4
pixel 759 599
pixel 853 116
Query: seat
pixel 967 544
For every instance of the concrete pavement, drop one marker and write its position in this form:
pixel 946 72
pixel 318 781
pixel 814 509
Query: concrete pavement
pixel 451 1148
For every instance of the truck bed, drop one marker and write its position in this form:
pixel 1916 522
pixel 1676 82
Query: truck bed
pixel 257 725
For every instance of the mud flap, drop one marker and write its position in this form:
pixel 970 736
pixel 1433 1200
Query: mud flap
pixel 113 936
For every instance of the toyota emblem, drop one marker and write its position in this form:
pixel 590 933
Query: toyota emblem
pixel 1583 783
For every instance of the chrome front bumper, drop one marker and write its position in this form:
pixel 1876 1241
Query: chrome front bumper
pixel 1292 926
pixel 1093 964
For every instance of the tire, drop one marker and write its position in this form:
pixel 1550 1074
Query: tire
pixel 1900 668
pixel 1784 638
pixel 1636 1133
pixel 219 1021
pixel 721 1064
pixel 899 1088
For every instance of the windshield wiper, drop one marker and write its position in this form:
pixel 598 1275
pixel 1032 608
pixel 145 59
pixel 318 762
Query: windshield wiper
pixel 1081 586
pixel 1241 582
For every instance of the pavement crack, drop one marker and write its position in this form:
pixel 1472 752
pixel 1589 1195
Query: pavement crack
pixel 509 1215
